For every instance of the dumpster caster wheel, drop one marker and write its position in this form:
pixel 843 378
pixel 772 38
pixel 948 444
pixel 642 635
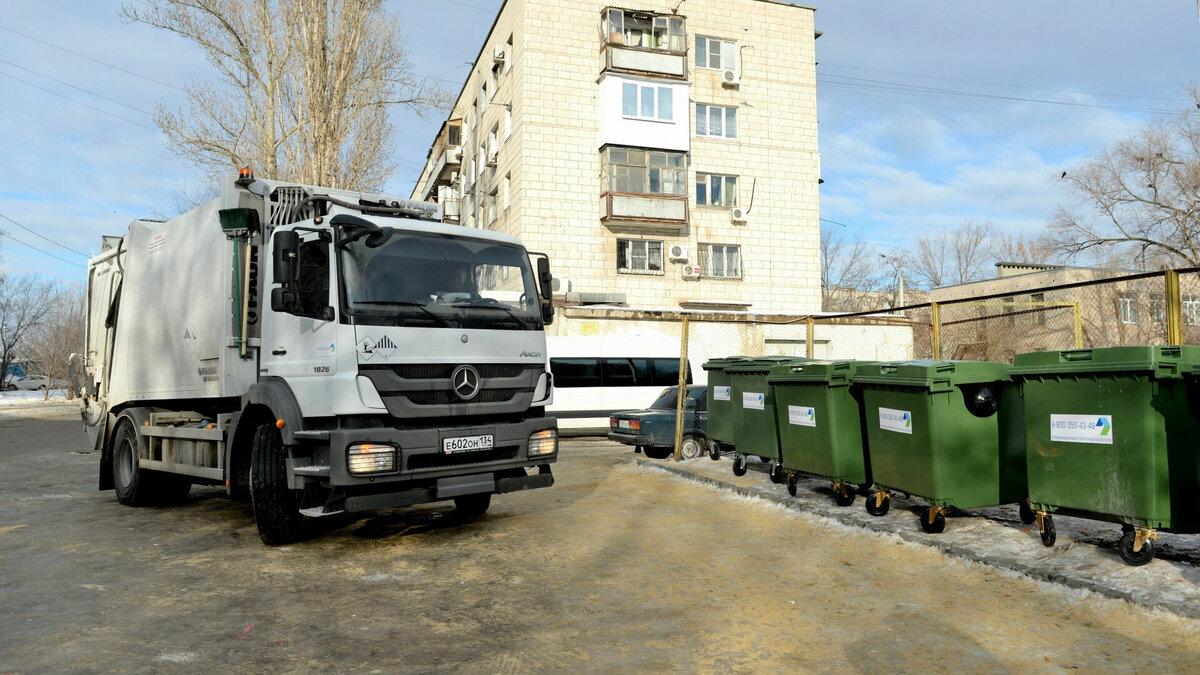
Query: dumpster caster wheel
pixel 714 451
pixel 1047 528
pixel 1026 512
pixel 843 494
pixel 792 482
pixel 879 503
pixel 933 521
pixel 776 473
pixel 1129 542
pixel 739 465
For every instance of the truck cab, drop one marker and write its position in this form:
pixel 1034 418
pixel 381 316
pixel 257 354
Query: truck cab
pixel 399 360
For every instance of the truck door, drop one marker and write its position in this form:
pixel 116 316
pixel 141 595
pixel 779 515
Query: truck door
pixel 300 344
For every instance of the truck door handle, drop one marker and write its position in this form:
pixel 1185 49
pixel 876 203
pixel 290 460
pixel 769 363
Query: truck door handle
pixel 278 352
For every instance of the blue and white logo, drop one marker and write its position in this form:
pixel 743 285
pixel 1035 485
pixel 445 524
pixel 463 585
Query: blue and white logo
pixel 754 401
pixel 802 416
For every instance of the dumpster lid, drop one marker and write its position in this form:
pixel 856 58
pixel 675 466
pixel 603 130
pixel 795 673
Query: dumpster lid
pixel 927 373
pixel 720 362
pixel 1164 361
pixel 764 364
pixel 829 372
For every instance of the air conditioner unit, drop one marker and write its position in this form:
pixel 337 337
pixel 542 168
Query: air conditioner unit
pixel 678 253
pixel 453 177
pixel 691 271
pixel 498 55
pixel 559 285
pixel 738 215
pixel 730 78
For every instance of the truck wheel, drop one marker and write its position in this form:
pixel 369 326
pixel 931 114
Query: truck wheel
pixel 691 447
pixel 134 486
pixel 275 509
pixel 471 507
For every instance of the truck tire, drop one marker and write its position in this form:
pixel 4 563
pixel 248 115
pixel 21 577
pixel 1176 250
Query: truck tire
pixel 471 507
pixel 136 486
pixel 658 453
pixel 276 511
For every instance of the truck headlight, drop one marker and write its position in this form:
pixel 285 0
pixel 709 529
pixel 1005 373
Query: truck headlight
pixel 367 458
pixel 543 443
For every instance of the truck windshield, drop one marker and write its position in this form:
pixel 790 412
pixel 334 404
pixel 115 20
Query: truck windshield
pixel 421 279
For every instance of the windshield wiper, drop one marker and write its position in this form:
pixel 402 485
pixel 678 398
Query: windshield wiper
pixel 403 303
pixel 521 321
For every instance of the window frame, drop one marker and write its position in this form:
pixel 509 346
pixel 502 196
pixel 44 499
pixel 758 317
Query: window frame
pixel 661 33
pixel 728 59
pixel 725 181
pixel 1127 309
pixel 625 249
pixel 673 170
pixel 657 95
pixel 706 115
pixel 1189 309
pixel 707 269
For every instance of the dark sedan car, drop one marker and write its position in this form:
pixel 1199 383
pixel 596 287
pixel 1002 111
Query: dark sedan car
pixel 653 430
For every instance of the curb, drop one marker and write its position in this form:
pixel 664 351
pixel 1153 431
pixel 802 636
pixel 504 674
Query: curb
pixel 1091 568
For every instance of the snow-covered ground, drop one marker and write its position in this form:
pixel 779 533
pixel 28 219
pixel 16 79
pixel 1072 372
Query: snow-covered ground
pixel 10 399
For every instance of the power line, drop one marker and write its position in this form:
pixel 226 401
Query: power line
pixel 8 235
pixel 68 84
pixel 92 107
pixel 85 56
pixel 79 131
pixel 1180 101
pixel 41 237
pixel 477 7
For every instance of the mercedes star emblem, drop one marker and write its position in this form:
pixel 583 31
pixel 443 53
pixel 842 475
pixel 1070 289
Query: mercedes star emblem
pixel 465 381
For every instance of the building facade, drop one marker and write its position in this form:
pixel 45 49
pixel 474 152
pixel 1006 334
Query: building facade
pixel 664 154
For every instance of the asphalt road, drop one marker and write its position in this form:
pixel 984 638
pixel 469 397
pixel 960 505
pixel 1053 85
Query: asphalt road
pixel 616 567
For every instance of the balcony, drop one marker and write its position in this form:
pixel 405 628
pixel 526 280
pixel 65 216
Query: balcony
pixel 445 158
pixel 644 43
pixel 631 212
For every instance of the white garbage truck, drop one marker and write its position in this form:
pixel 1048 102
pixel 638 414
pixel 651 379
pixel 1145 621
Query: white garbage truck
pixel 318 352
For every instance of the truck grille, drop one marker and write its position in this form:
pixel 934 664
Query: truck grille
pixel 448 397
pixel 434 371
pixel 424 389
pixel 437 461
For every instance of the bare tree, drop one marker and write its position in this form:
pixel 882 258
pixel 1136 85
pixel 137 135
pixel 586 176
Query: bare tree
pixel 955 257
pixel 24 302
pixel 1140 198
pixel 1017 249
pixel 58 335
pixel 304 90
pixel 850 275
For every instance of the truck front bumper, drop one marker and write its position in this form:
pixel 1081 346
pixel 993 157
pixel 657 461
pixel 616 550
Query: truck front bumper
pixel 422 472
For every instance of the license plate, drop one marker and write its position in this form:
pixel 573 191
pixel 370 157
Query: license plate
pixel 623 424
pixel 452 446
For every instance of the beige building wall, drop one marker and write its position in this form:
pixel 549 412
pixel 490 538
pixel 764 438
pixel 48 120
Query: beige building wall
pixel 547 179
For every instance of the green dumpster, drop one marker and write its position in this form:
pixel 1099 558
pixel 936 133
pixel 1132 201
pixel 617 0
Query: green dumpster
pixel 1112 435
pixel 754 412
pixel 720 404
pixel 945 431
pixel 819 414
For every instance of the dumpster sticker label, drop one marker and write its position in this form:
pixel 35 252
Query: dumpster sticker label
pixel 802 416
pixel 895 420
pixel 1081 429
pixel 722 393
pixel 753 401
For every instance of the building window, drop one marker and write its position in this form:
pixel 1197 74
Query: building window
pixel 1158 308
pixel 715 53
pixel 716 190
pixel 1191 310
pixel 505 185
pixel 494 143
pixel 508 54
pixel 646 102
pixel 483 99
pixel 1039 310
pixel 489 208
pixel 507 123
pixel 644 171
pixel 721 261
pixel 716 121
pixel 1128 309
pixel 1008 307
pixel 664 33
pixel 639 256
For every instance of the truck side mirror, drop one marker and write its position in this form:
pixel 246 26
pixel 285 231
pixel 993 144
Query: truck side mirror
pixel 286 244
pixel 547 291
pixel 283 300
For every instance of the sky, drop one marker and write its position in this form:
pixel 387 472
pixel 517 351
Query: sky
pixel 932 112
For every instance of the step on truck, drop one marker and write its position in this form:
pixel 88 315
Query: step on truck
pixel 317 352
